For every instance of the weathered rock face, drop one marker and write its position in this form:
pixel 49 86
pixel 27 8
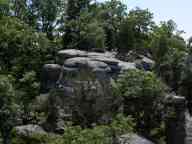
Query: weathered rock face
pixel 70 62
pixel 50 75
pixel 142 61
pixel 176 128
pixel 65 54
pixel 133 139
pixel 74 65
pixel 83 102
pixel 145 63
pixel 74 99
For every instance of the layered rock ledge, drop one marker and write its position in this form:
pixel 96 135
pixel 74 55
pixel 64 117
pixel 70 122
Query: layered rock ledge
pixel 70 62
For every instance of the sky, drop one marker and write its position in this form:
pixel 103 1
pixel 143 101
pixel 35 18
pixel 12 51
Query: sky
pixel 178 10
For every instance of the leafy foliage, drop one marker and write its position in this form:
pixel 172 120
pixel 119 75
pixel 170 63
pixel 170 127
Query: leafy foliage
pixel 100 134
pixel 31 31
pixel 136 84
pixel 28 90
pixel 143 95
pixel 22 49
pixel 169 52
pixel 4 7
pixel 103 134
pixel 135 30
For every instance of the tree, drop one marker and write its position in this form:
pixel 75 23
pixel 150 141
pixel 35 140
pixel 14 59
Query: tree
pixel 159 49
pixel 48 15
pixel 20 9
pixel 186 81
pixel 43 15
pixel 4 8
pixel 135 29
pixel 111 14
pixel 72 30
pixel 168 49
pixel 126 38
pixel 8 108
pixel 22 48
pixel 80 17
pixel 171 69
pixel 92 36
pixel 142 19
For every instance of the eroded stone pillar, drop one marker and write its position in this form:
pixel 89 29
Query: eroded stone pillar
pixel 175 124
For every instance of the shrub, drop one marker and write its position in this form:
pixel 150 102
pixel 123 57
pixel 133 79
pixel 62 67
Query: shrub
pixel 103 134
pixel 8 108
pixel 143 95
pixel 140 84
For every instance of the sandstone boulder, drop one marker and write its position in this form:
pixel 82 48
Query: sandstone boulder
pixel 126 65
pixel 69 53
pixel 82 63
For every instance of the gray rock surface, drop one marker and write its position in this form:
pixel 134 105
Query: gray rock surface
pixel 78 63
pixel 49 76
pixel 99 63
pixel 52 71
pixel 133 139
pixel 144 62
pixel 126 65
pixel 70 53
pixel 70 62
pixel 29 130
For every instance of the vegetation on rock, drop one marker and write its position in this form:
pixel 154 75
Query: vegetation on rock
pixel 31 33
pixel 143 95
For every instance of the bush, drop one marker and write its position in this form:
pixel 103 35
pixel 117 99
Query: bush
pixel 28 90
pixel 143 95
pixel 140 84
pixel 8 108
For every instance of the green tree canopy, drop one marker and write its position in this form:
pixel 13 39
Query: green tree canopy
pixel 22 48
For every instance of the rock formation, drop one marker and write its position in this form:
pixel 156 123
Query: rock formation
pixel 88 75
pixel 71 62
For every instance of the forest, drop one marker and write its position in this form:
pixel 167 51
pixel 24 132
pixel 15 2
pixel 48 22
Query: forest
pixel 32 32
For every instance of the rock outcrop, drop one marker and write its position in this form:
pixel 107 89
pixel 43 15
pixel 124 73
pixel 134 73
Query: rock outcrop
pixel 71 70
pixel 95 104
pixel 177 126
pixel 70 62
pixel 29 130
